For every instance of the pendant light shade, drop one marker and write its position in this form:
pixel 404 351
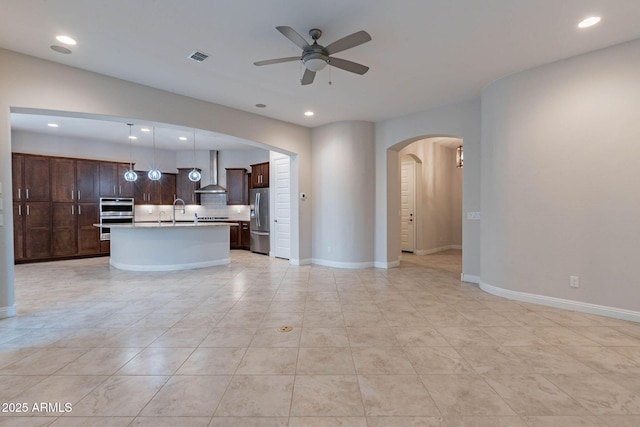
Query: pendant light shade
pixel 130 175
pixel 154 174
pixel 195 174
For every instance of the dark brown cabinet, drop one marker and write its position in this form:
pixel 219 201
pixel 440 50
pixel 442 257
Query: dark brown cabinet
pixel 31 176
pixel 56 205
pixel 88 236
pixel 75 192
pixel 260 175
pixel 234 237
pixel 32 207
pixel 18 231
pixel 148 192
pixel 185 187
pixel 245 235
pixel 74 181
pixel 239 236
pixel 237 186
pixel 37 229
pixel 112 182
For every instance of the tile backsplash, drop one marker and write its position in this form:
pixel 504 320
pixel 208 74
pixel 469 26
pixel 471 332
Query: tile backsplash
pixel 211 205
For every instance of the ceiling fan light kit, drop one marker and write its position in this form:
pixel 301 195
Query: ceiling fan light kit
pixel 316 57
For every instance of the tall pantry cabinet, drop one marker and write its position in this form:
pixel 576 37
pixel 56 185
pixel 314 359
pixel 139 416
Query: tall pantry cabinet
pixel 31 206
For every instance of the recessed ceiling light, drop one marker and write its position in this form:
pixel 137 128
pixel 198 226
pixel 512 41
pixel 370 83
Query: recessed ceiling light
pixel 66 40
pixel 309 113
pixel 588 22
pixel 133 137
pixel 261 105
pixel 183 138
pixel 60 49
pixel 52 125
pixel 145 130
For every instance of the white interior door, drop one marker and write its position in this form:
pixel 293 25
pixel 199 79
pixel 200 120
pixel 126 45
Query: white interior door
pixel 407 206
pixel 282 206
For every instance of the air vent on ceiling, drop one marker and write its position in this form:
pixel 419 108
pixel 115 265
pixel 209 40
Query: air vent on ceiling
pixel 198 56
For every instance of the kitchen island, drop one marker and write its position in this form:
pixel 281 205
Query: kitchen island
pixel 167 246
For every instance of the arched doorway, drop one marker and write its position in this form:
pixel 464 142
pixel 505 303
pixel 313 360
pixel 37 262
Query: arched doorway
pixel 429 195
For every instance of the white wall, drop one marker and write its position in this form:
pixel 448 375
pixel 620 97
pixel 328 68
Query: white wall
pixel 52 145
pixel 459 120
pixel 32 83
pixel 343 194
pixel 438 201
pixel 560 175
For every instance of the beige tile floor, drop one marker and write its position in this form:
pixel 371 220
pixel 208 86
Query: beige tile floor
pixel 409 346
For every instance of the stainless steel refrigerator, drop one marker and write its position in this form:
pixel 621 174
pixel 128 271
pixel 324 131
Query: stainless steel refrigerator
pixel 259 215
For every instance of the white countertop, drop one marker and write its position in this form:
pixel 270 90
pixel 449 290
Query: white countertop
pixel 169 224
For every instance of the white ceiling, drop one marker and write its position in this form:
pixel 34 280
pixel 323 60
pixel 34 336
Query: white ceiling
pixel 423 53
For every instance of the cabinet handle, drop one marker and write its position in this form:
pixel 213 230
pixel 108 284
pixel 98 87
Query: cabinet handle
pixel 78 194
pixel 72 210
pixel 119 188
pixel 19 196
pixel 79 210
pixel 19 210
pixel 28 210
pixel 27 190
pixel 72 194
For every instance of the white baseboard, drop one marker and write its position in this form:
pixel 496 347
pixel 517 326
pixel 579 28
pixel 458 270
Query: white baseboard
pixel 338 264
pixel 436 250
pixel 583 307
pixel 305 261
pixel 7 311
pixel 470 278
pixel 387 264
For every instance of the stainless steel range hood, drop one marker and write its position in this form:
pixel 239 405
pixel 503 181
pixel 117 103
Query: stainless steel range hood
pixel 213 187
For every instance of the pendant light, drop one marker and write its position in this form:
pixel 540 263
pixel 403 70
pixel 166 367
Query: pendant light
pixel 459 157
pixel 130 175
pixel 154 174
pixel 195 174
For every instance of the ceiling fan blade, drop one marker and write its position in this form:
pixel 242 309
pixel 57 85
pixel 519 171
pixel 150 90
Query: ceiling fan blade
pixel 277 61
pixel 292 35
pixel 353 67
pixel 348 42
pixel 307 77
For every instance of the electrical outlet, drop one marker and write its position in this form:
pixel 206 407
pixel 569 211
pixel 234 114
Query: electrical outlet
pixel 473 216
pixel 574 281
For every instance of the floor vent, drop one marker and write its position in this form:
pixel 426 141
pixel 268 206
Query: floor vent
pixel 198 56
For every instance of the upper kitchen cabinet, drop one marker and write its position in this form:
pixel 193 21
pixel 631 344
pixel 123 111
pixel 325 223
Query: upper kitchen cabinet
pixel 237 186
pixel 31 176
pixel 148 192
pixel 112 182
pixel 260 175
pixel 185 188
pixel 74 181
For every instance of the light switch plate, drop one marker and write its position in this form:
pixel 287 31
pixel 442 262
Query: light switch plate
pixel 473 216
pixel 1 204
pixel 1 220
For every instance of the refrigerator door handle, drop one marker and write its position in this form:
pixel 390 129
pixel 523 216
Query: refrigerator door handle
pixel 258 209
pixel 260 233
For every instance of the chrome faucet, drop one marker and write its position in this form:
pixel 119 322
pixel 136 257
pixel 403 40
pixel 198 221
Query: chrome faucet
pixel 173 211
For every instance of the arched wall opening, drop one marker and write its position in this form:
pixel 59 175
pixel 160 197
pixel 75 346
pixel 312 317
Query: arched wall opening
pixel 436 179
pixel 37 84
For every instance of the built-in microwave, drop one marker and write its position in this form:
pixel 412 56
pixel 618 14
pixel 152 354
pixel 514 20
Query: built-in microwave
pixel 115 210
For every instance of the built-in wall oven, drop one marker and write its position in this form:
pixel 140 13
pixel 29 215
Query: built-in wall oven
pixel 114 210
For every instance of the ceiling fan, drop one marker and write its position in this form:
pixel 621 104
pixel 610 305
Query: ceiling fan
pixel 315 57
